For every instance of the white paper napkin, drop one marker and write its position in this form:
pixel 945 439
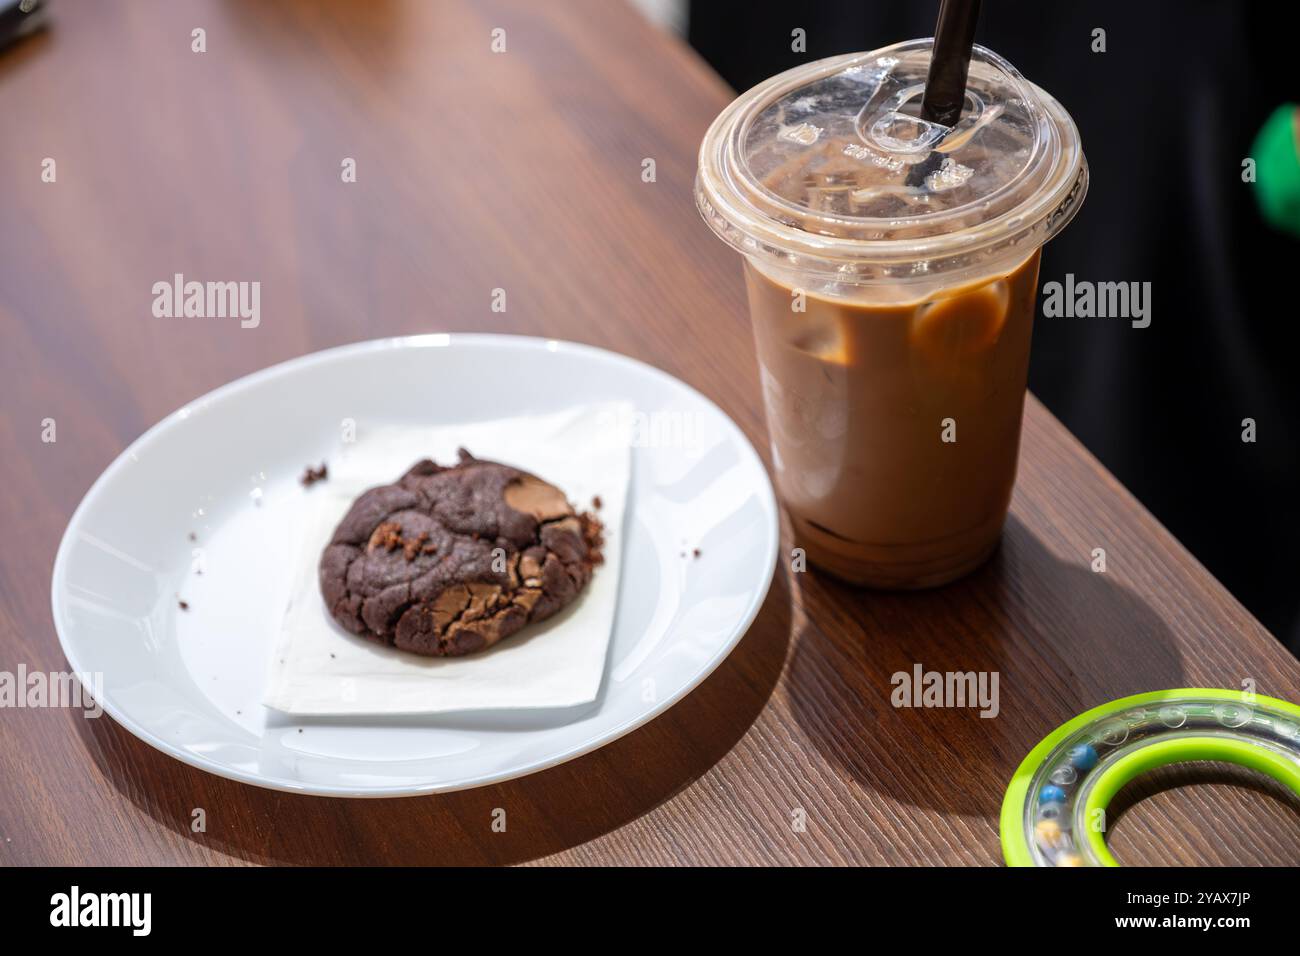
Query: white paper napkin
pixel 318 668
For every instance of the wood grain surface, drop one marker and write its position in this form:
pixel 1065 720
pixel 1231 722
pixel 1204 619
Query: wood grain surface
pixel 522 170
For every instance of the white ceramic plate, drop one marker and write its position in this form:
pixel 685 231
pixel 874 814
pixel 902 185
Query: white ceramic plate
pixel 225 466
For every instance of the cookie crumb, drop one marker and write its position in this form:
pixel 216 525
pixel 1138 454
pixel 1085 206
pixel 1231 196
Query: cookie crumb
pixel 413 546
pixel 593 532
pixel 312 475
pixel 695 553
pixel 183 605
pixel 597 503
pixel 387 536
pixel 193 536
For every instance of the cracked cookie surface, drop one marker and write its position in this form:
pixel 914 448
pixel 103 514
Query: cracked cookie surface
pixel 449 560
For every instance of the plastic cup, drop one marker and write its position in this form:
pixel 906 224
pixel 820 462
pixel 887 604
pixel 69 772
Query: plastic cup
pixel 892 322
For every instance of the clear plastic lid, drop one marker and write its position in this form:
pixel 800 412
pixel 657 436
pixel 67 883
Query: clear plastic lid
pixel 810 169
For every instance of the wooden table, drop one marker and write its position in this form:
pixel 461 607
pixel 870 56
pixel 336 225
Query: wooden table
pixel 522 170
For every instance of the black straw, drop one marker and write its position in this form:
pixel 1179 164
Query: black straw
pixel 945 86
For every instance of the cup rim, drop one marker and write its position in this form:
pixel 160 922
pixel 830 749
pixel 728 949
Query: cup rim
pixel 725 199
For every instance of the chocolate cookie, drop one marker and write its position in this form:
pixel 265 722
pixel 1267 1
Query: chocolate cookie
pixel 448 561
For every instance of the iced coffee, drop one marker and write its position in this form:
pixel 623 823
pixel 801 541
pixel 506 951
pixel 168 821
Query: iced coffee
pixel 892 313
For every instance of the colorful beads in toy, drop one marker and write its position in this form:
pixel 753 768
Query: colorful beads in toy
pixel 1048 833
pixel 1051 794
pixel 1084 757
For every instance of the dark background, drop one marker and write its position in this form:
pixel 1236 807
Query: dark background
pixel 1167 114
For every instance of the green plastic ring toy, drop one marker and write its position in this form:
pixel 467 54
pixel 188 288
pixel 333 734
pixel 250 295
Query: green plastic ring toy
pixel 1054 810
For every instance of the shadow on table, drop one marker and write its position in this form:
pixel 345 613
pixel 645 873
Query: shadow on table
pixel 546 812
pixel 1059 637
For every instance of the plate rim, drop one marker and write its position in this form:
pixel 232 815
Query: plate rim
pixel 416 341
